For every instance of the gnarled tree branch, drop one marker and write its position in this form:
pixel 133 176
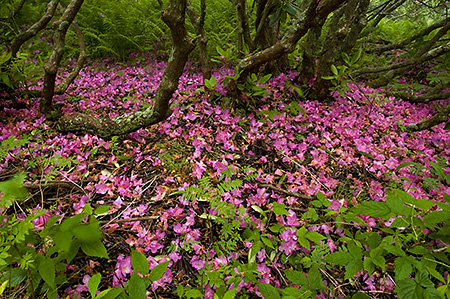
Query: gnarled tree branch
pixel 174 17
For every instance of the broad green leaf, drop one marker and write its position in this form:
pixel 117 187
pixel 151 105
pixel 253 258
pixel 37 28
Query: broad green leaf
pixel 47 271
pixel 193 293
pixel 314 236
pixel 109 293
pixel 14 276
pixel 360 296
pixel 139 262
pixel 352 268
pixel 402 268
pixel 93 284
pixel 373 209
pixel 230 294
pixel 268 291
pixel 102 210
pixel 13 189
pixel 315 278
pixel 296 277
pixel 296 293
pixel 334 69
pixel 158 271
pixel 395 203
pixel 136 287
pixel 302 240
pixel 340 258
pixel 279 209
pixel 94 248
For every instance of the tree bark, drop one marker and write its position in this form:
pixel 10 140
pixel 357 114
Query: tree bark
pixel 400 68
pixel 53 63
pixel 436 119
pixel 183 44
pixel 410 39
pixel 62 87
pixel 243 26
pixel 198 23
pixel 434 94
pixel 315 11
pixel 345 27
pixel 35 28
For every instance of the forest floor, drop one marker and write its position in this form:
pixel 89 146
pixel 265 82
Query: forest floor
pixel 161 184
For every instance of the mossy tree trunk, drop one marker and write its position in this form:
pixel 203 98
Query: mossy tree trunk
pixel 315 12
pixel 183 44
pixel 346 25
pixel 53 63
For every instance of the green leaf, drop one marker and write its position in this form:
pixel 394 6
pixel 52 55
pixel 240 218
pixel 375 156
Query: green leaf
pixel 93 284
pixel 296 277
pixel 136 287
pixel 13 189
pixel 402 268
pixel 268 291
pixel 360 296
pixel 158 271
pixel 193 293
pixel 279 209
pixel 373 209
pixel 315 278
pixel 109 293
pixel 302 240
pixel 47 271
pixel 94 248
pixel 334 69
pixel 294 292
pixel 314 236
pixel 230 294
pixel 339 258
pixel 102 210
pixel 139 262
pixel 14 276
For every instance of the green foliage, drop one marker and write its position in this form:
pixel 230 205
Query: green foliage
pixel 12 190
pixel 18 71
pixel 118 28
pixel 340 75
pixel 40 258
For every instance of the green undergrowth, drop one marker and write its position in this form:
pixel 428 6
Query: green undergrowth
pixel 405 244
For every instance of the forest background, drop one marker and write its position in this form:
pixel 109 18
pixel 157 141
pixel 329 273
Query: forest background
pixel 224 149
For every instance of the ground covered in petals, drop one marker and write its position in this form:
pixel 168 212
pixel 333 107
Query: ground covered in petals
pixel 233 199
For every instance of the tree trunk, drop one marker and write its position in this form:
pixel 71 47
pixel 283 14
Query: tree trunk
pixel 309 57
pixel 345 27
pixel 198 23
pixel 53 63
pixel 436 119
pixel 62 87
pixel 174 17
pixel 410 39
pixel 243 26
pixel 397 69
pixel 315 11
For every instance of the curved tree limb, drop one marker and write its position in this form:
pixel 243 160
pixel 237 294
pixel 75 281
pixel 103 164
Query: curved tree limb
pixel 82 56
pixel 433 94
pixel 183 44
pixel 438 118
pixel 400 68
pixel 35 28
pixel 198 23
pixel 315 11
pixel 53 63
